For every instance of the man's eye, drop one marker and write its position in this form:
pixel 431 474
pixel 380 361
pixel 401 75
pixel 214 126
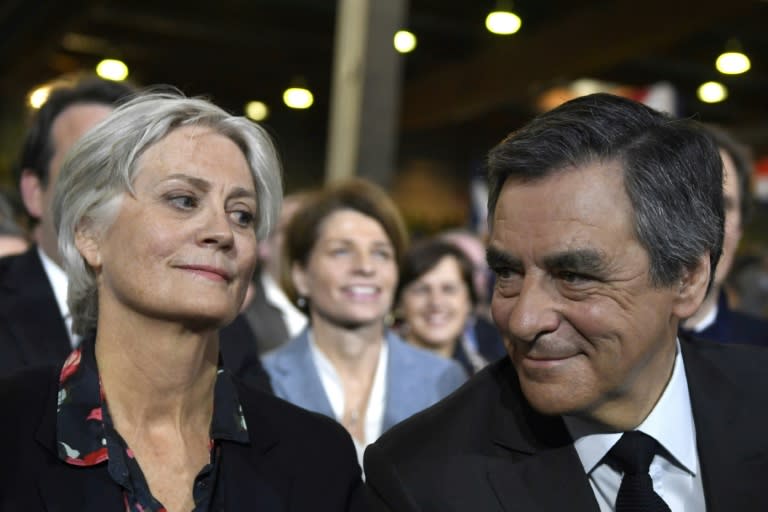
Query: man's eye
pixel 572 277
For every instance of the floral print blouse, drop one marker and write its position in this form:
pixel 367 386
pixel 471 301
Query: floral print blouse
pixel 86 436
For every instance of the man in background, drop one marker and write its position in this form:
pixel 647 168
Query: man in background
pixel 715 320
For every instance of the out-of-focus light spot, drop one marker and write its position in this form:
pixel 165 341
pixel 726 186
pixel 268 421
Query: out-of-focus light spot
pixel 298 97
pixel 405 41
pixel 733 63
pixel 256 110
pixel 112 69
pixel 503 22
pixel 39 96
pixel 712 92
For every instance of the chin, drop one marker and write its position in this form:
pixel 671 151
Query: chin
pixel 552 399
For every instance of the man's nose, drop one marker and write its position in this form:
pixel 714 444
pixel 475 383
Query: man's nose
pixel 534 311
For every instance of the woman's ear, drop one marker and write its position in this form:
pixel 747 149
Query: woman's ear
pixel 300 279
pixel 87 243
pixel 692 288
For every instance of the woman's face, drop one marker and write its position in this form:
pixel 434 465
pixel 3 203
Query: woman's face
pixel 436 306
pixel 351 272
pixel 183 248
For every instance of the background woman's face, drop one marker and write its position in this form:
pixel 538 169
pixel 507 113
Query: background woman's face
pixel 436 306
pixel 183 248
pixel 351 273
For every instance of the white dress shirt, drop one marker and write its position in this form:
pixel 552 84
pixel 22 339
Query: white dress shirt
pixel 374 412
pixel 295 321
pixel 676 480
pixel 59 283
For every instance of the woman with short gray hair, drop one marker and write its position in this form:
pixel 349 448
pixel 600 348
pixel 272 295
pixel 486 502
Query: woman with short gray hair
pixel 158 212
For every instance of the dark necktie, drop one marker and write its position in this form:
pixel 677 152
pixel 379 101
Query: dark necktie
pixel 633 455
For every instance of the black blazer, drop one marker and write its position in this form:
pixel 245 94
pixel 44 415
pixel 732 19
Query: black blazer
pixel 33 333
pixel 484 448
pixel 297 460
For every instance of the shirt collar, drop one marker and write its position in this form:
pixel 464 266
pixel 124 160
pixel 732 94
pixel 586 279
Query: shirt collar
pixel 58 280
pixel 670 423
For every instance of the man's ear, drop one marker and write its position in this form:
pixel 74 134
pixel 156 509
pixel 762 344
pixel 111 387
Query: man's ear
pixel 87 242
pixel 299 278
pixel 692 288
pixel 32 193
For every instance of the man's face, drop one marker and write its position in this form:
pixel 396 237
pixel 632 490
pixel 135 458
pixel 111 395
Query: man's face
pixel 732 200
pixel 70 125
pixel 587 332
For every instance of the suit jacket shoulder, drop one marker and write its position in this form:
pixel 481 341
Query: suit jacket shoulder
pixel 32 331
pixel 482 448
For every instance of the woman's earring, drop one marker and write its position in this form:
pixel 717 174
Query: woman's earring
pixel 301 301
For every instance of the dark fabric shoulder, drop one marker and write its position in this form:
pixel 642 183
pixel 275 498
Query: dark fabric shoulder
pixel 443 426
pixel 306 451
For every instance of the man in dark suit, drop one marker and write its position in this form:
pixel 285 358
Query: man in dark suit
pixel 715 320
pixel 35 324
pixel 606 222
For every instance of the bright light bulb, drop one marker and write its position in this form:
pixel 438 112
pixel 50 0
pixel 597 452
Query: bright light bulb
pixel 405 41
pixel 256 110
pixel 112 69
pixel 733 63
pixel 298 97
pixel 712 92
pixel 503 22
pixel 39 96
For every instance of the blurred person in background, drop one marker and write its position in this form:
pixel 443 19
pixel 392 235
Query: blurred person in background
pixel 273 318
pixel 158 213
pixel 343 250
pixel 435 300
pixel 13 240
pixel 715 320
pixel 35 320
pixel 480 334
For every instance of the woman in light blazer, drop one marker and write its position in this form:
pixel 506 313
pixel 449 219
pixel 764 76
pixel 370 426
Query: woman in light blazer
pixel 343 250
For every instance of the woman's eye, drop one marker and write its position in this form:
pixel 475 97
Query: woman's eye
pixel 183 202
pixel 243 217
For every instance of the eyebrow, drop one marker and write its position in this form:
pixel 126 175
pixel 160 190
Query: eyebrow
pixel 205 185
pixel 583 260
pixel 497 258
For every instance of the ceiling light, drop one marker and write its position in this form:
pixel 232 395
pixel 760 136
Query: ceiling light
pixel 112 69
pixel 39 96
pixel 405 41
pixel 298 97
pixel 503 22
pixel 712 92
pixel 733 63
pixel 256 110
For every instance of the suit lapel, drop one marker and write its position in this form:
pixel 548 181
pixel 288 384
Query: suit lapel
pixel 299 382
pixel 536 466
pixel 250 480
pixel 404 388
pixel 728 415
pixel 33 313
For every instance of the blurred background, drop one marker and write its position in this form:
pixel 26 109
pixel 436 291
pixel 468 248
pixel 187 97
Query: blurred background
pixel 418 118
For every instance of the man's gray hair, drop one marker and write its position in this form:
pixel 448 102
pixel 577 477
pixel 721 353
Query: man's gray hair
pixel 102 167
